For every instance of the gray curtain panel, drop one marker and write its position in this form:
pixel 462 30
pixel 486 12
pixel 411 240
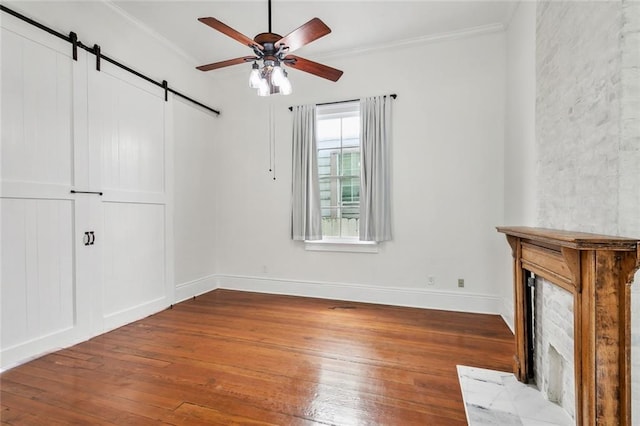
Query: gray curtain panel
pixel 306 221
pixel 375 181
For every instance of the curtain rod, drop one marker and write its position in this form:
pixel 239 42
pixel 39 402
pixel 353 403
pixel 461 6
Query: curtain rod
pixel 393 95
pixel 95 50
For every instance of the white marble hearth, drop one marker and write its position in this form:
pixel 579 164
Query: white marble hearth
pixel 498 398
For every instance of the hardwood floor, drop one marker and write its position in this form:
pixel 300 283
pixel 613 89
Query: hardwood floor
pixel 231 357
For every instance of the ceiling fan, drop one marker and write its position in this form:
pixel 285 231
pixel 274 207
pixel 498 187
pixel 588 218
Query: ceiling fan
pixel 274 50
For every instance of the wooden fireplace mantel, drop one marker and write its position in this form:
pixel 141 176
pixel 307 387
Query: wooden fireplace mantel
pixel 598 270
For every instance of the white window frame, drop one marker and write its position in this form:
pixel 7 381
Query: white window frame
pixel 333 243
pixel 352 245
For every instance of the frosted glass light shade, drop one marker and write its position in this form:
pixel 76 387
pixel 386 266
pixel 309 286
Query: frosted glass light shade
pixel 254 77
pixel 263 88
pixel 277 76
pixel 285 86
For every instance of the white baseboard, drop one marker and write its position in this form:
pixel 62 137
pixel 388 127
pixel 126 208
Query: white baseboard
pixel 399 296
pixel 194 288
pixel 42 345
pixel 39 346
pixel 507 313
pixel 118 319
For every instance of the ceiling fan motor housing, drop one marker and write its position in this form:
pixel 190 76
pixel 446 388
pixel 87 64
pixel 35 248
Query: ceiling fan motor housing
pixel 269 50
pixel 264 38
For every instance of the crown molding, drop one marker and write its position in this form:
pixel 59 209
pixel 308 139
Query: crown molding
pixel 511 11
pixel 426 39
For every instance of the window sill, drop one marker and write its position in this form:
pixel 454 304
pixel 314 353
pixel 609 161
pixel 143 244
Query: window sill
pixel 342 245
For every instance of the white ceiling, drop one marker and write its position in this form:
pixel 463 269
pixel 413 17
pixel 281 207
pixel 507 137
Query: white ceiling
pixel 355 25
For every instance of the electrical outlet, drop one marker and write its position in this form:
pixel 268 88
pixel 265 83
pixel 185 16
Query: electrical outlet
pixel 431 280
pixel 460 282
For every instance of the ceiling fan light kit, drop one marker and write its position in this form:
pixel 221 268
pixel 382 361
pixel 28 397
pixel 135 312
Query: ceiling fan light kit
pixel 270 79
pixel 274 51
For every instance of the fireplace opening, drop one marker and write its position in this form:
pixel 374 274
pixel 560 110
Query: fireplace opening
pixel 551 360
pixel 530 308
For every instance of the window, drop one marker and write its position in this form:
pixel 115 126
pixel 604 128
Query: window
pixel 338 142
pixel 341 188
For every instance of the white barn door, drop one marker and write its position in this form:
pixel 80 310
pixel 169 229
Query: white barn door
pixel 38 297
pixel 128 121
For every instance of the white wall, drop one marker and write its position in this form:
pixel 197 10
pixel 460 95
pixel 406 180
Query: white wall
pixel 520 148
pixel 448 163
pixel 195 161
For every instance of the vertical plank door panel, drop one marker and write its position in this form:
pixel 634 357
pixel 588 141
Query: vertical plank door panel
pixel 127 132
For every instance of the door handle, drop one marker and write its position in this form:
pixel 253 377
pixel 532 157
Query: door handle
pixel 73 191
pixel 89 238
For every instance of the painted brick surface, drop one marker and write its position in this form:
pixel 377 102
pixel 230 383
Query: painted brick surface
pixel 578 114
pixel 629 159
pixel 588 127
pixel 629 168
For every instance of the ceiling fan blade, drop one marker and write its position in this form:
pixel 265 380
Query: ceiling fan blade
pixel 227 30
pixel 227 63
pixel 312 67
pixel 305 34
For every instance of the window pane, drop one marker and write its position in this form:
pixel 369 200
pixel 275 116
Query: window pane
pixel 328 195
pixel 328 164
pixel 338 134
pixel 349 227
pixel 351 131
pixel 328 132
pixel 350 188
pixel 350 164
pixel 328 143
pixel 330 222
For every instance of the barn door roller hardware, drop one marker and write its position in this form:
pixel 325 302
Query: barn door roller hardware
pixel 95 50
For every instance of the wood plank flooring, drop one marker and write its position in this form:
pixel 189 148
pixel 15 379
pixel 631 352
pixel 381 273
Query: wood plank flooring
pixel 241 358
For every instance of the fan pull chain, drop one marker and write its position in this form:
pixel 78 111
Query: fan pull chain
pixel 269 142
pixel 272 142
